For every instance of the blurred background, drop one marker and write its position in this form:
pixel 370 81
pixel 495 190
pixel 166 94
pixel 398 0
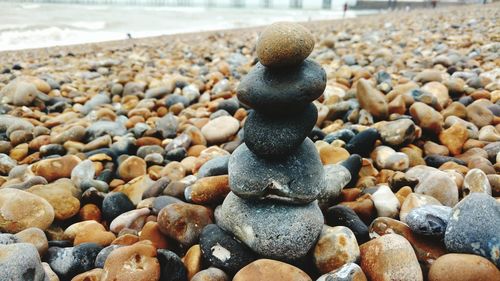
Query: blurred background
pixel 44 23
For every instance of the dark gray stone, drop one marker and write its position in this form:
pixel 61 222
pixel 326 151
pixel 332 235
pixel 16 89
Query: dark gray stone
pixel 167 126
pixel 20 262
pixel 103 255
pixel 474 227
pixel 289 89
pixel 297 178
pixel 214 167
pixel 270 228
pixel 277 136
pixel 161 202
pixel 429 220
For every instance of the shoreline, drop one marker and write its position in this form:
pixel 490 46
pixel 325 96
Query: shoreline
pixel 190 36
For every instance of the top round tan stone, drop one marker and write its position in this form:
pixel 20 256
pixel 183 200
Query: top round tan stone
pixel 284 44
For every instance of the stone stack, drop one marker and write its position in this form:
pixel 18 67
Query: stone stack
pixel 276 175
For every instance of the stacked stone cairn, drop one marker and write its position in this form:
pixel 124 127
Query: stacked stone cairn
pixel 276 176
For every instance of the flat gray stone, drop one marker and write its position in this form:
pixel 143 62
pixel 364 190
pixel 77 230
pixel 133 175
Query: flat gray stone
pixel 297 178
pixel 270 228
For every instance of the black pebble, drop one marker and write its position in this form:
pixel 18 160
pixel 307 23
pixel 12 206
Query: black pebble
pixel 344 216
pixel 172 267
pixel 69 262
pixel 353 164
pixel 437 160
pixel 277 136
pixel 239 255
pixel 363 142
pixel 115 204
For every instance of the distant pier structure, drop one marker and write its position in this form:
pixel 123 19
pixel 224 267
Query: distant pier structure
pixel 267 4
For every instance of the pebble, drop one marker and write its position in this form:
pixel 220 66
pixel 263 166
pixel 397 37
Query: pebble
pixel 474 226
pixel 454 138
pixel 214 167
pixel 6 164
pixel 426 117
pixel 220 129
pixel 223 251
pixel 347 272
pixel 271 229
pixel 275 90
pixel 390 257
pixel 136 262
pixel 427 249
pixel 336 247
pixel 415 200
pixel 284 44
pixel 398 132
pixel 386 203
pixel 336 178
pixel 340 215
pixel 115 204
pixel 371 99
pixel 131 168
pixel 56 168
pixel 471 267
pixel 192 217
pixel 20 210
pixel 296 178
pixel 18 92
pixel 60 195
pixel 71 261
pixel 36 237
pixel 266 269
pixel 476 181
pixel 20 262
pixel 429 220
pixel 438 185
pixel 171 266
pixel 277 136
pixel 211 274
pixel 363 142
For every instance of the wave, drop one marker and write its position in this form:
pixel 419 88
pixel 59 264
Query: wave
pixel 89 25
pixel 30 6
pixel 52 36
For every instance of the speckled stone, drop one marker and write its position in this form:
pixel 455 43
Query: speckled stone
pixel 474 227
pixel 20 262
pixel 429 220
pixel 272 229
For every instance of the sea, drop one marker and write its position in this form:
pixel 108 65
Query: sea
pixel 25 25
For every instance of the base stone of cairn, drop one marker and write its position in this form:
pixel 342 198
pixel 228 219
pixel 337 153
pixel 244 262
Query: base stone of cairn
pixel 276 176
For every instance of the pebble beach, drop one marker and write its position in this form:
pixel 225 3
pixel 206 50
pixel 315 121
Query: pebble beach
pixel 355 149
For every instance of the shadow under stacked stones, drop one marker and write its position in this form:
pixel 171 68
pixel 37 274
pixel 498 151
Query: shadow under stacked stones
pixel 277 175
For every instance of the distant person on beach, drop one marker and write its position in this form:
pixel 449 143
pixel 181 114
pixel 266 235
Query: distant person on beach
pixel 345 9
pixel 129 36
pixel 434 3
